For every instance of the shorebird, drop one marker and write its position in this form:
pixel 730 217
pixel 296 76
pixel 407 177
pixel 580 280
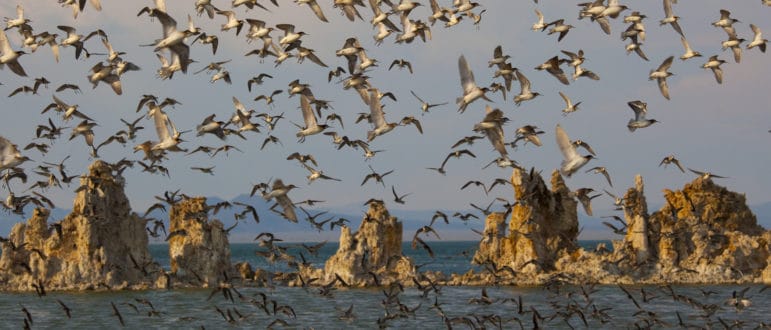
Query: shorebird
pixel 471 91
pixel 232 23
pixel 705 174
pixel 725 20
pixel 10 156
pixel 670 18
pixel 689 53
pixel 525 93
pixel 168 136
pixel 425 106
pixel 492 127
pixel 279 191
pixel 173 39
pixel 211 126
pixel 671 160
pixel 572 160
pixel 569 106
pixel 661 74
pixel 559 27
pixel 640 108
pixel 582 195
pixel 714 64
pixel 19 21
pixel 757 40
pixel 380 126
pixel 552 66
pixel 538 25
pixel 311 124
pixel 601 170
pixel 529 133
pixel 9 56
pixel 734 43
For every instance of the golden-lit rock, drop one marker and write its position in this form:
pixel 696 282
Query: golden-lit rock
pixel 100 245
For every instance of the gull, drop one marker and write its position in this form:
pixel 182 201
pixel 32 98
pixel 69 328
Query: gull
pixel 378 117
pixel 425 106
pixel 9 56
pixel 670 18
pixel 539 25
pixel 10 156
pixel 279 191
pixel 758 40
pixel 525 93
pixel 734 43
pixel 315 7
pixel 491 126
pixel 471 91
pixel 706 175
pixel 572 160
pixel 640 109
pixel 569 107
pixel 232 23
pixel 559 27
pixel 19 21
pixel 601 170
pixel 661 74
pixel 311 124
pixel 714 64
pixel 671 160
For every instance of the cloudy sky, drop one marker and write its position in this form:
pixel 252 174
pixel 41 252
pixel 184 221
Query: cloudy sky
pixel 720 128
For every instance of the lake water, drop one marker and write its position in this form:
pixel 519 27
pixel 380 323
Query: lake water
pixel 608 307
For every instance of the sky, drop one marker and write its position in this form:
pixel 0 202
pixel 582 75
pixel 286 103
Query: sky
pixel 720 128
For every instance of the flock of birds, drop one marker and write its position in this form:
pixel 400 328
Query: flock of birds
pixel 280 42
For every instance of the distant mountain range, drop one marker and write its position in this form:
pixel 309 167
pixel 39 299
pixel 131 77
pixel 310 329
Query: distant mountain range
pixel 303 231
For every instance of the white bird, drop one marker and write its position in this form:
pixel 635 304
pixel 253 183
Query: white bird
pixel 312 126
pixel 640 110
pixel 279 191
pixel 380 126
pixel 10 56
pixel 525 93
pixel 572 160
pixel 471 92
pixel 10 156
pixel 661 74
pixel 689 53
pixel 758 40
pixel 714 64
pixel 569 106
pixel 168 136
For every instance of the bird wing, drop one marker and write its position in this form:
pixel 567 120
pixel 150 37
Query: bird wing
pixel 308 116
pixel 668 8
pixel 565 97
pixel 376 109
pixel 160 119
pixel 317 10
pixel 663 87
pixel 524 83
pixel 666 64
pixel 286 204
pixel 466 76
pixel 563 141
pixel 5 45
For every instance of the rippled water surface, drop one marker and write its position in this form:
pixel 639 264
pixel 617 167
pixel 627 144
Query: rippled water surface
pixel 605 307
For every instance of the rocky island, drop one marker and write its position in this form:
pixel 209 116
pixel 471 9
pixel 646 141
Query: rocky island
pixel 704 234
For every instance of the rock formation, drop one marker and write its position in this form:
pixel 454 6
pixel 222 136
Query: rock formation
pixel 101 244
pixel 198 247
pixel 636 214
pixel 375 248
pixel 543 226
